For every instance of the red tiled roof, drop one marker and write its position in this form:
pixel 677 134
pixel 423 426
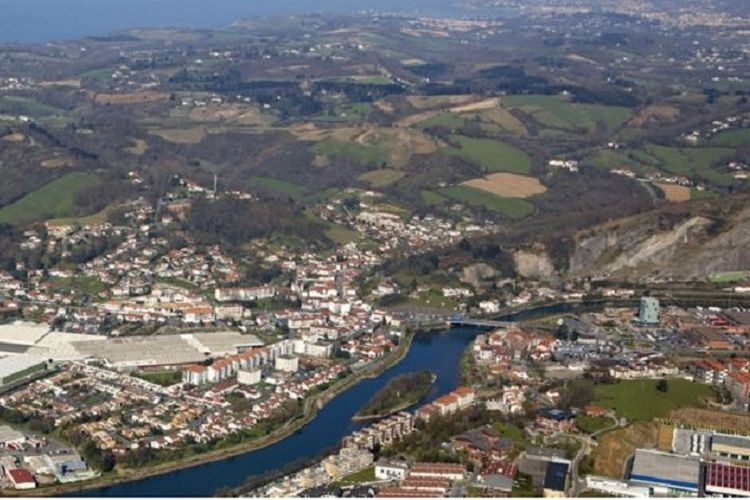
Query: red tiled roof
pixel 441 467
pixel 21 476
pixel 464 391
pixel 401 493
pixel 446 400
pixel 714 364
pixel 742 378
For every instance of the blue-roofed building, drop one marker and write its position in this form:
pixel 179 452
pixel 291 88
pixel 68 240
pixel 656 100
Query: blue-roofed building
pixel 556 479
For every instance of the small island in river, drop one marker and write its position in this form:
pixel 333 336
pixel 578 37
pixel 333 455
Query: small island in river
pixel 400 392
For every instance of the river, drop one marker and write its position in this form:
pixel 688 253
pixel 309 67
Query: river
pixel 437 351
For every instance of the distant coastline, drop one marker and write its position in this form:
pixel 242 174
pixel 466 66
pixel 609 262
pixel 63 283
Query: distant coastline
pixel 54 20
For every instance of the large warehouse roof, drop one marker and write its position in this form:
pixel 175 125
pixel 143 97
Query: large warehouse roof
pixel 666 469
pixel 16 363
pixel 23 333
pixel 36 339
pixel 718 440
pixel 161 350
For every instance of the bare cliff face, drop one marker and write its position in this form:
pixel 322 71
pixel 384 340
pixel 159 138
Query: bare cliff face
pixel 534 264
pixel 688 247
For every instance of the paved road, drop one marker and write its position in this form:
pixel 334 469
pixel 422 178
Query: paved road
pixel 587 445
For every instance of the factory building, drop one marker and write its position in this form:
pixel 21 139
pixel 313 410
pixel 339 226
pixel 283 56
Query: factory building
pixel 19 367
pixel 731 447
pixel 727 480
pixel 556 480
pixel 665 470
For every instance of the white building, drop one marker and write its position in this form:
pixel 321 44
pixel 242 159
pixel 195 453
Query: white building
pixel 249 377
pixel 391 471
pixel 316 350
pixel 287 363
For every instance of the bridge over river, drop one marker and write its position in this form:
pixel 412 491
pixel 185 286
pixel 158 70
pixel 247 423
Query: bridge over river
pixel 480 323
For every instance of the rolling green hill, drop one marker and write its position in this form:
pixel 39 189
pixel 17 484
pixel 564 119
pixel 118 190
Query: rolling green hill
pixel 53 200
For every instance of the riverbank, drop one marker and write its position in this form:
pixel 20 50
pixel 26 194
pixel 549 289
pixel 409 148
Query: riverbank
pixel 311 407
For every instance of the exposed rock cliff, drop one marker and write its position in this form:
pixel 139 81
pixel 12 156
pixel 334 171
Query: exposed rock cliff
pixel 684 247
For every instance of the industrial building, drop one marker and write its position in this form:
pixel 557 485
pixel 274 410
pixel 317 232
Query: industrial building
pixel 21 479
pixel 11 437
pixel 731 447
pixel 535 461
pixel 556 479
pixel 666 470
pixel 731 480
pixel 616 487
pixel 165 350
pixel 16 368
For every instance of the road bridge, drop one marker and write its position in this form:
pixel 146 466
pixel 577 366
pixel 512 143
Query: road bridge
pixel 481 323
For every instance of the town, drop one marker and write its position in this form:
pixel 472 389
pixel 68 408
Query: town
pixel 465 249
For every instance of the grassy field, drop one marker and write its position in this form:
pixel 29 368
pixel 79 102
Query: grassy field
pixel 640 400
pixel 450 121
pixel 12 104
pixel 610 159
pixel 512 207
pixel 368 155
pixel 590 425
pixel 341 235
pixel 87 220
pixel 432 198
pixel 101 74
pixel 732 138
pixel 163 378
pixel 382 177
pixel 53 200
pixel 351 113
pixel 364 476
pixel 558 112
pixel 84 285
pixel 728 277
pixel 492 156
pixel 290 189
pixel 190 135
pixel 692 162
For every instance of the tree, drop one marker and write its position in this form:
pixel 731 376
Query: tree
pixel 102 460
pixel 662 385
